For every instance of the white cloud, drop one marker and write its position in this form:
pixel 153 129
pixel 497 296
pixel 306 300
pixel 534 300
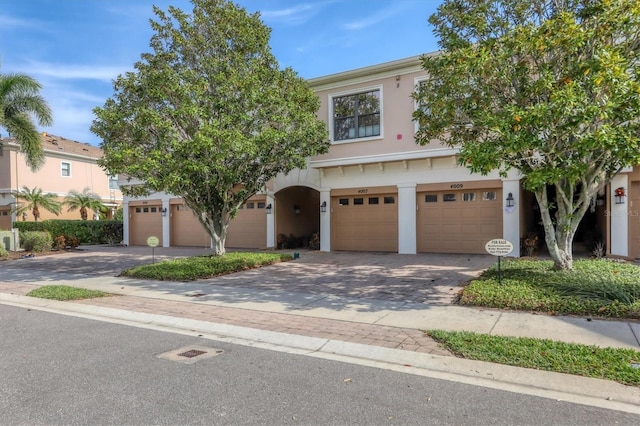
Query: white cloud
pixel 105 73
pixel 297 15
pixel 374 19
pixel 9 22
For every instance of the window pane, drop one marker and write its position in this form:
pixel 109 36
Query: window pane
pixel 343 202
pixel 145 210
pixel 154 210
pixel 431 198
pixel 358 201
pixel 389 200
pixel 469 196
pixel 261 205
pixel 65 169
pixel 449 197
pixel 251 205
pixel 356 116
pixel 489 196
pixel 374 200
pixel 138 210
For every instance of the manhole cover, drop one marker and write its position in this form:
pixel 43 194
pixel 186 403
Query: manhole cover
pixel 190 354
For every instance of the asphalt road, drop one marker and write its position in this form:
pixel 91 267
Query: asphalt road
pixel 58 369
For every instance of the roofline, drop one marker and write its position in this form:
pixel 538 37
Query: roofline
pixel 410 64
pixel 10 143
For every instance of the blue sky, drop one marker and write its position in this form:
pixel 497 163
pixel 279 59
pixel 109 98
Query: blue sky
pixel 75 48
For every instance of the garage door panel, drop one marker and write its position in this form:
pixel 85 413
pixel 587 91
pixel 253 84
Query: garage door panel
pixel 364 227
pixel 460 226
pixel 144 222
pixel 186 229
pixel 249 228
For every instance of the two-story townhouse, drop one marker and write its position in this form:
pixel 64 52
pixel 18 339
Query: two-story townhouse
pixel 69 165
pixel 376 190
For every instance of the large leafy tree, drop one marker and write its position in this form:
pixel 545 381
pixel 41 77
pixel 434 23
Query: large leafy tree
pixel 209 115
pixel 548 87
pixel 34 199
pixel 20 103
pixel 83 201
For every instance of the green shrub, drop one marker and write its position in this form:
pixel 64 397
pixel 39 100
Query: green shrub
pixel 39 242
pixel 3 252
pixel 85 231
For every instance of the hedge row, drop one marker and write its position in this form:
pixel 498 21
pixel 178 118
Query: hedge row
pixel 85 231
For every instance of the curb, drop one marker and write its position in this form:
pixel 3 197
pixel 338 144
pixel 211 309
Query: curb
pixel 565 387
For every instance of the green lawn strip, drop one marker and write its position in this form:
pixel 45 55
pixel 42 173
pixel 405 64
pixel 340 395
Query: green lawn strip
pixel 63 292
pixel 201 267
pixel 594 288
pixel 615 364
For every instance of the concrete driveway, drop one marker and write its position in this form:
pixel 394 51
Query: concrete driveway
pixel 422 278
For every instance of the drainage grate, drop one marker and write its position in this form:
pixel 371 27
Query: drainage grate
pixel 191 353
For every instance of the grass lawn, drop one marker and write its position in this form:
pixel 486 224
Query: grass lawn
pixel 601 288
pixel 620 365
pixel 201 267
pixel 63 292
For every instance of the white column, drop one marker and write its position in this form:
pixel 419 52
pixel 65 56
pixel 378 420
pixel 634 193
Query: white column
pixel 511 215
pixel 271 222
pixel 125 221
pixel 619 218
pixel 325 220
pixel 166 224
pixel 407 218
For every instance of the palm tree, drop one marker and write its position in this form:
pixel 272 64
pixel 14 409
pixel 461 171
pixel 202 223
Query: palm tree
pixel 34 199
pixel 83 200
pixel 20 102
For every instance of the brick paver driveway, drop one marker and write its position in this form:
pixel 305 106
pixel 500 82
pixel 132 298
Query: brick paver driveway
pixel 422 278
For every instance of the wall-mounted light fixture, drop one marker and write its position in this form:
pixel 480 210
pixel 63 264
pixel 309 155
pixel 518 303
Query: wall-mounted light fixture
pixel 296 209
pixel 620 195
pixel 323 207
pixel 163 211
pixel 510 200
pixel 268 208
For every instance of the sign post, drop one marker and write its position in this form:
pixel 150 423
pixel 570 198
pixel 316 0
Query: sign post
pixel 153 243
pixel 499 247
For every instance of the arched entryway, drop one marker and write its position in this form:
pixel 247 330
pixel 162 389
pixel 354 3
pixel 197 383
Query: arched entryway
pixel 297 217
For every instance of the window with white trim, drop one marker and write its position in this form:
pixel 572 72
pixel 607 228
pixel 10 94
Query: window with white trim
pixel 65 169
pixel 356 115
pixel 113 182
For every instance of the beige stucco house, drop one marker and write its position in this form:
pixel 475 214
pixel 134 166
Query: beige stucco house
pixel 376 190
pixel 69 165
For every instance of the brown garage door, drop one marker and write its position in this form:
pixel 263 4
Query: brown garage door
pixel 364 222
pixel 186 229
pixel 144 221
pixel 249 228
pixel 5 219
pixel 458 221
pixel 634 220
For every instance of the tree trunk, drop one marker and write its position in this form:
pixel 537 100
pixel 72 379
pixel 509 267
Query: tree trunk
pixel 83 213
pixel 216 224
pixel 560 249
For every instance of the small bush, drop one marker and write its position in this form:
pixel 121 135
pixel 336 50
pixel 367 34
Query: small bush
pixel 60 242
pixel 3 252
pixel 39 242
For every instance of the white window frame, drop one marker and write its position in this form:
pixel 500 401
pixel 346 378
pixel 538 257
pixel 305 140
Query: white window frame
pixel 416 85
pixel 111 179
pixel 331 96
pixel 62 169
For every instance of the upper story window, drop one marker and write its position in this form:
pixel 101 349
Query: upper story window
pixel 65 169
pixel 356 115
pixel 113 182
